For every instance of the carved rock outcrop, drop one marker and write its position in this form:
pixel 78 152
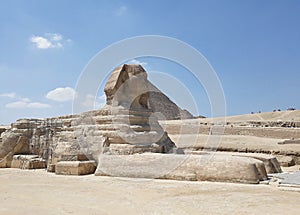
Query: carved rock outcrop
pixel 123 138
pixel 126 125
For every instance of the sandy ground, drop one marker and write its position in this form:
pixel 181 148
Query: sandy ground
pixel 38 192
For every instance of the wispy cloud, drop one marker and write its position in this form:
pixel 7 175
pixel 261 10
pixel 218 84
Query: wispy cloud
pixel 20 102
pixel 49 40
pixel 55 37
pixel 27 104
pixel 8 95
pixel 134 61
pixel 121 10
pixel 61 94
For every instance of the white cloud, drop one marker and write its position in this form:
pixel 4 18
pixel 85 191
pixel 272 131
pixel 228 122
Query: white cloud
pixel 94 102
pixel 55 37
pixel 134 61
pixel 38 105
pixel 61 94
pixel 8 95
pixel 41 42
pixel 24 104
pixel 49 40
pixel 121 10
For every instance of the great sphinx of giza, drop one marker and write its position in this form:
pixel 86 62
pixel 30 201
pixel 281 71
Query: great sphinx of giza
pixel 124 138
pixel 126 125
pixel 136 127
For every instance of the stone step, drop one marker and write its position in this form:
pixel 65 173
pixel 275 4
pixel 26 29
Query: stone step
pixel 74 157
pixel 127 149
pixel 75 167
pixel 134 137
pixel 67 129
pixel 143 112
pixel 141 128
pixel 113 127
pixel 121 119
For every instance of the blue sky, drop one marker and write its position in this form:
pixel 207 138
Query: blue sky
pixel 252 45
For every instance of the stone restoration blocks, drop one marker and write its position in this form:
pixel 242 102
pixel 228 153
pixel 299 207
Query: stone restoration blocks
pixel 75 167
pixel 28 162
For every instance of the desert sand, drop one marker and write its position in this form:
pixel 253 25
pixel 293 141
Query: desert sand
pixel 38 192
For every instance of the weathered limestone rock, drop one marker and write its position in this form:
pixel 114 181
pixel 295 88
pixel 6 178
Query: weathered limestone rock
pixel 15 141
pixel 292 141
pixel 160 103
pixel 154 99
pixel 126 125
pixel 135 129
pixel 28 162
pixel 183 167
pixel 75 167
pixel 74 157
pixel 285 161
pixel 271 164
pixel 70 158
pixel 27 136
pixel 51 168
pixel 6 161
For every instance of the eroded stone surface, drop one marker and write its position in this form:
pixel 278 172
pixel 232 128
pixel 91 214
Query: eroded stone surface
pixel 154 99
pixel 271 163
pixel 75 167
pixel 285 161
pixel 183 167
pixel 28 162
pixel 126 125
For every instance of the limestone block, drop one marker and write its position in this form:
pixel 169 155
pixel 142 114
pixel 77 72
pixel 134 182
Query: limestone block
pixel 270 162
pixel 51 168
pixel 74 157
pixel 28 162
pixel 6 161
pixel 125 149
pixel 13 142
pixel 221 168
pixel 38 163
pixel 75 167
pixel 285 161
